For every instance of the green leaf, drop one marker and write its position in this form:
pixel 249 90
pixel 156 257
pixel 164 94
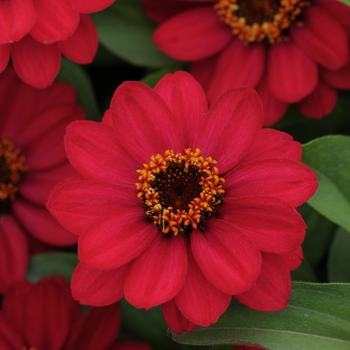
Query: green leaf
pixel 124 29
pixel 75 75
pixel 329 156
pixel 347 2
pixel 339 258
pixel 317 317
pixel 48 264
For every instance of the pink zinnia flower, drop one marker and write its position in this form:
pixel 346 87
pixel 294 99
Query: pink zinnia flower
pixel 213 212
pixel 36 32
pixel 32 162
pixel 289 51
pixel 45 316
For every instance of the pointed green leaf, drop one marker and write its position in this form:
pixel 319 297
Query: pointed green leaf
pixel 329 156
pixel 317 317
pixel 345 2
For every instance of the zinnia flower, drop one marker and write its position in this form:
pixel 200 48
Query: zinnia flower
pixel 213 212
pixel 32 162
pixel 36 32
pixel 289 51
pixel 44 316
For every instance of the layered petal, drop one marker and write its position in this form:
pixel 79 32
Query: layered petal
pixel 198 300
pixel 97 287
pixel 237 65
pixel 115 241
pixel 273 286
pixel 85 143
pixel 231 131
pixel 270 223
pixel 187 101
pixel 81 47
pixel 84 6
pixel 227 258
pixel 17 17
pixel 10 337
pixel 320 102
pixel 158 274
pixel 291 73
pixel 340 78
pixel 192 35
pixel 36 64
pixel 203 70
pixel 5 51
pixel 322 38
pixel 143 122
pixel 55 20
pixel 281 178
pixel 78 203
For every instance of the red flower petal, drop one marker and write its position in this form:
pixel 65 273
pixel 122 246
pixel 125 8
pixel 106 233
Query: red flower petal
pixel 36 64
pixel 339 79
pixel 135 107
pixel 198 300
pixel 78 203
pixel 293 259
pixel 129 345
pixel 226 256
pixel 187 101
pixel 14 252
pixel 231 131
pixel 117 240
pixel 292 74
pixel 272 143
pixel 84 6
pixel 56 20
pixel 192 35
pixel 5 51
pixel 41 224
pixel 319 103
pixel 270 223
pixel 86 149
pixel 10 337
pixel 175 319
pixel 203 70
pixel 97 330
pixel 272 289
pixel 81 47
pixel 158 274
pixel 238 65
pixel 322 38
pixel 96 287
pixel 17 17
pixel 286 179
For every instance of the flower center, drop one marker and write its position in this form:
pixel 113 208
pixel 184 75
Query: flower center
pixel 11 168
pixel 261 20
pixel 180 191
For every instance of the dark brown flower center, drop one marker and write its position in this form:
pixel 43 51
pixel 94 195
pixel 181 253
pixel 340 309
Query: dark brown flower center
pixel 11 168
pixel 261 20
pixel 180 191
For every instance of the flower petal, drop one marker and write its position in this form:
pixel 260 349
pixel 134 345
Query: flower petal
pixel 186 99
pixel 198 300
pixel 17 17
pixel 81 47
pixel 340 78
pixel 192 35
pixel 10 336
pixel 322 38
pixel 94 150
pixel 238 65
pixel 270 223
pixel 84 6
pixel 5 51
pixel 115 241
pixel 78 203
pixel 36 64
pixel 14 252
pixel 96 287
pixel 175 319
pixel 140 111
pixel 320 102
pixel 238 117
pixel 272 143
pixel 226 256
pixel 273 286
pixel 41 224
pixel 293 259
pixel 203 70
pixel 281 178
pixel 158 274
pixel 291 73
pixel 56 20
